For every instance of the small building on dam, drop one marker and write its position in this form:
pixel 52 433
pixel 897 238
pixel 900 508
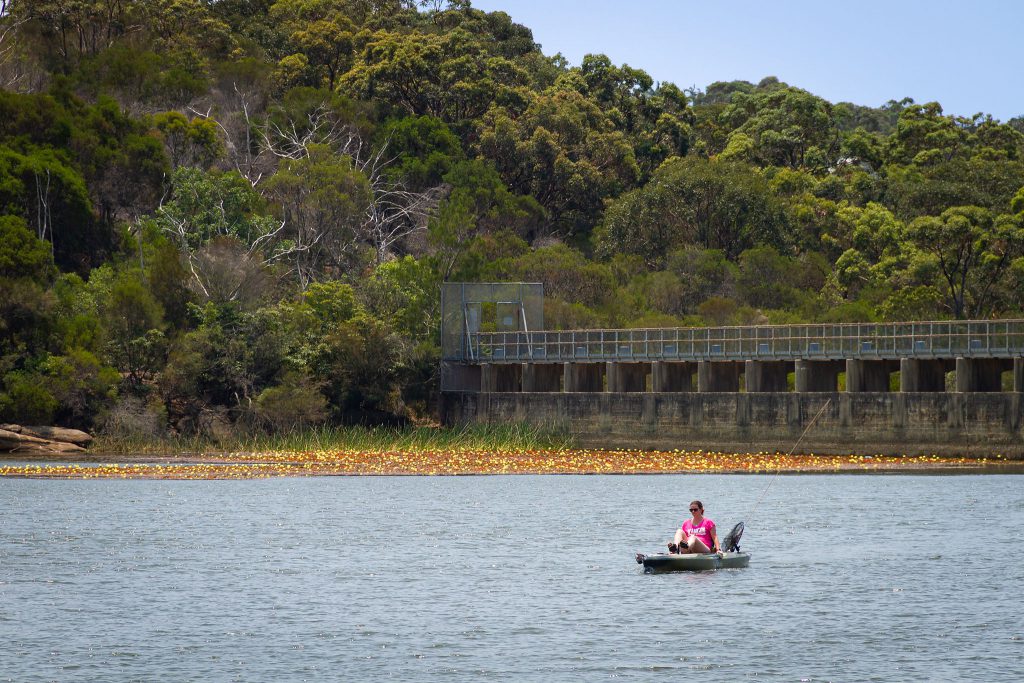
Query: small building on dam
pixel 915 388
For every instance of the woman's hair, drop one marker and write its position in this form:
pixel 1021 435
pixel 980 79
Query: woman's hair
pixel 698 504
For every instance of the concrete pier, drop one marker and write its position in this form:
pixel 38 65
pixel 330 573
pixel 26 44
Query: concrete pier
pixel 868 375
pixel 669 376
pixel 545 377
pixel 626 377
pixel 818 375
pixel 761 376
pixel 586 377
pixel 715 376
pixel 979 374
pixel 922 375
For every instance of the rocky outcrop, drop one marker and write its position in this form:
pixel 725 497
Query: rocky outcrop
pixel 33 439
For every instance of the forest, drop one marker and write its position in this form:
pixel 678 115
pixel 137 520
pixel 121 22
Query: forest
pixel 223 216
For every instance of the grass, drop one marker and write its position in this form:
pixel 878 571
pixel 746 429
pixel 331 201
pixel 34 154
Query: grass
pixel 505 437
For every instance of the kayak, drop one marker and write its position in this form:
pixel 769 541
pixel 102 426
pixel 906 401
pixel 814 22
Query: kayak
pixel 665 562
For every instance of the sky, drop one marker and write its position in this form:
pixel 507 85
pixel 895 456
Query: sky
pixel 968 56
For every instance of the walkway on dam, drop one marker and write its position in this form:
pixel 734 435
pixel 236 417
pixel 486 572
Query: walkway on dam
pixel 873 341
pixel 960 356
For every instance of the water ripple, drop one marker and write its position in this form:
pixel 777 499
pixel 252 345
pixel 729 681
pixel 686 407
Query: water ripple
pixel 864 578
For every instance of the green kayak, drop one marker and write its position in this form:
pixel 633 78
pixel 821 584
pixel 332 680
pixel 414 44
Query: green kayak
pixel 665 562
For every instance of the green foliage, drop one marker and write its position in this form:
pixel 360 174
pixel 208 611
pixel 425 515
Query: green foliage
pixel 189 143
pixel 136 75
pixel 974 249
pixel 564 151
pixel 261 251
pixel 787 126
pixel 24 400
pixel 565 273
pixel 451 75
pixel 296 403
pixel 712 204
pixel 404 291
pixel 133 320
pixel 768 279
pixel 426 150
pixel 81 384
pixel 22 255
pixel 41 188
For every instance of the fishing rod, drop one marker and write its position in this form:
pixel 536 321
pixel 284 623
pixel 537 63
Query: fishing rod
pixel 775 476
pixel 728 555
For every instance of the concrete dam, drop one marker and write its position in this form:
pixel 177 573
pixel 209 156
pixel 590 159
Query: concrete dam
pixel 915 388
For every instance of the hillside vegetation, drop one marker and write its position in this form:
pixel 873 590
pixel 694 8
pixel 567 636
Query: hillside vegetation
pixel 236 214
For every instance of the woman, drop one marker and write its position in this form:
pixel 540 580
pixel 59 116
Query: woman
pixel 697 535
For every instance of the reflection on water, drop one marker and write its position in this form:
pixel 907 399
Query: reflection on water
pixel 517 578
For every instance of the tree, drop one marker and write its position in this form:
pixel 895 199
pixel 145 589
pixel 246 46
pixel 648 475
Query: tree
pixel 450 75
pixel 655 119
pixel 218 224
pixel 322 199
pixel 53 200
pixel 565 152
pixel 789 126
pixel 974 249
pixel 478 203
pixel 711 204
pixel 194 142
pixel 321 32
pixel 424 150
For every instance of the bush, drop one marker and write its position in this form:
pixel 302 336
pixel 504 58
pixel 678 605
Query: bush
pixel 26 401
pixel 133 418
pixel 293 404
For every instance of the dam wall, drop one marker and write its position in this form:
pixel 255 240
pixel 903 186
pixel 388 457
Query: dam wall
pixel 982 424
pixel 950 387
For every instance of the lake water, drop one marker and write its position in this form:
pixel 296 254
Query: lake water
pixel 520 578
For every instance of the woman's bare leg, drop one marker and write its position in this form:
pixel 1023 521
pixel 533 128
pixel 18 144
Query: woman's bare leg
pixel 695 545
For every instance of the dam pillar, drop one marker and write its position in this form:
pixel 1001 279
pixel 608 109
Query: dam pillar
pixel 632 377
pixel 718 376
pixel 543 377
pixel 1018 375
pixel 488 378
pixel 529 374
pixel 625 377
pixel 671 376
pixel 818 375
pixel 867 375
pixel 508 378
pixel 979 374
pixel 585 377
pixel 922 375
pixel 658 376
pixel 765 375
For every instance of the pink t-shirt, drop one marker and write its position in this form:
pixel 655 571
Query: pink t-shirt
pixel 701 531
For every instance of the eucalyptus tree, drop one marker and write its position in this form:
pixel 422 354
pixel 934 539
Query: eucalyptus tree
pixel 974 248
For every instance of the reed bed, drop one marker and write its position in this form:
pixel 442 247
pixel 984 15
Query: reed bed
pixel 505 437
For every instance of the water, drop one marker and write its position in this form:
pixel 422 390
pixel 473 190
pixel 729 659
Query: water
pixel 853 578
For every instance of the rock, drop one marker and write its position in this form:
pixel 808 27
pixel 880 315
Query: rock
pixel 46 447
pixel 18 439
pixel 10 440
pixel 74 436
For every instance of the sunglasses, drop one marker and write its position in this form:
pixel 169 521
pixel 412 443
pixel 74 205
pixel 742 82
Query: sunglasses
pixel 694 509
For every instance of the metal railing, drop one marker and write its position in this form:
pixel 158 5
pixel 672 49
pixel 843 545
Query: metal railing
pixel 940 339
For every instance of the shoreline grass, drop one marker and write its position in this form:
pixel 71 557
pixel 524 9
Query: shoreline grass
pixel 505 437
